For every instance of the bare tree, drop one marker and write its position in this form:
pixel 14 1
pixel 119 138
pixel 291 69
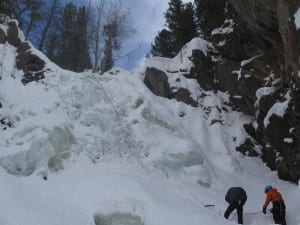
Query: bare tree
pixel 108 26
pixel 116 30
pixel 53 8
pixel 34 16
pixel 95 28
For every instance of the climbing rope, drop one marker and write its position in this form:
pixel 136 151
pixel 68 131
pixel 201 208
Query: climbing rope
pixel 252 213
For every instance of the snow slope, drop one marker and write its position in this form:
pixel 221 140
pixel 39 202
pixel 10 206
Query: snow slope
pixel 85 147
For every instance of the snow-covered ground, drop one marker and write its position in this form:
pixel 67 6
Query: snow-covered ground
pixel 85 147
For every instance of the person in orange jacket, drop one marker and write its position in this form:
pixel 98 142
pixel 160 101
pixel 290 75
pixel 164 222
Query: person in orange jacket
pixel 278 209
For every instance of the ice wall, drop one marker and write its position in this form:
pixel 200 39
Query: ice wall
pixel 49 153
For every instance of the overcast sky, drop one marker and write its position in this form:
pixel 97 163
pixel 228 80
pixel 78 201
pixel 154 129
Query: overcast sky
pixel 147 18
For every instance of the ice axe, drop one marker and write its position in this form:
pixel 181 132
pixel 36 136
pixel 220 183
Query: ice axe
pixel 209 205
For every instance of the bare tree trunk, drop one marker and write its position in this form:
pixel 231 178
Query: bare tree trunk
pixel 116 30
pixel 29 28
pixel 48 23
pixel 95 30
pixel 107 62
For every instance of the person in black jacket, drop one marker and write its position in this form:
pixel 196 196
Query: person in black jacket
pixel 236 197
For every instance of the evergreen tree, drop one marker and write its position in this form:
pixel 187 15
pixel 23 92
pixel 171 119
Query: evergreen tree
pixel 52 46
pixel 181 28
pixel 70 41
pixel 82 58
pixel 65 50
pixel 173 16
pixel 163 45
pixel 210 14
pixel 6 7
pixel 187 25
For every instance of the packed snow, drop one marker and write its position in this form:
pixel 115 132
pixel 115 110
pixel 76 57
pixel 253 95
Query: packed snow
pixel 181 62
pixel 89 148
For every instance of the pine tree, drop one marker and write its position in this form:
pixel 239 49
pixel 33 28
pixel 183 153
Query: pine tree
pixel 187 25
pixel 82 58
pixel 181 28
pixel 210 15
pixel 163 45
pixel 65 52
pixel 70 40
pixel 173 16
pixel 6 8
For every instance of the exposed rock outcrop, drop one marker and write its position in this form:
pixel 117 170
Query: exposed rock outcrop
pixel 272 29
pixel 32 65
pixel 157 81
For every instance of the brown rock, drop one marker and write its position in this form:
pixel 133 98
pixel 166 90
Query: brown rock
pixel 28 62
pixel 23 47
pixel 13 34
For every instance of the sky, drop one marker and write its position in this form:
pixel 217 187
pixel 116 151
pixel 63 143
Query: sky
pixel 147 17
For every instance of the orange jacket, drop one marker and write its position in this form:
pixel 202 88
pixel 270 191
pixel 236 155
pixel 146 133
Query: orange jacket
pixel 272 196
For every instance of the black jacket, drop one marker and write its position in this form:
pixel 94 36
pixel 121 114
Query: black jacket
pixel 236 195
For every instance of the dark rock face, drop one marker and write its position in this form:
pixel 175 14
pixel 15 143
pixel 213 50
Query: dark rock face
pixel 276 40
pixel 262 53
pixel 183 95
pixel 202 70
pixel 157 81
pixel 265 31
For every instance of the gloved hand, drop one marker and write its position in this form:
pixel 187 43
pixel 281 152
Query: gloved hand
pixel 264 210
pixel 271 210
